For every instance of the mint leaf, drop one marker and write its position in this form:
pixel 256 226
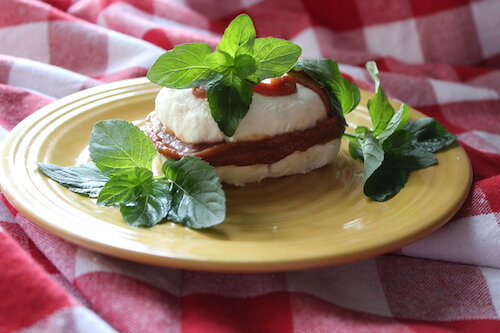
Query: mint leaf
pixel 398 121
pixel 125 186
pixel 373 154
pixel 346 92
pixel 400 139
pixel 219 61
pixel 344 95
pixel 182 67
pixel 274 57
pixel 401 153
pixel 149 208
pixel 84 179
pixel 198 200
pixel 381 111
pixel 118 144
pixel 239 36
pixel 229 99
pixel 244 65
pixel 354 146
pixel 429 135
pixel 371 67
pixel 355 150
pixel 385 182
pixel 411 159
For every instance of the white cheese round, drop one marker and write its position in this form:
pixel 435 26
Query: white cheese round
pixel 189 118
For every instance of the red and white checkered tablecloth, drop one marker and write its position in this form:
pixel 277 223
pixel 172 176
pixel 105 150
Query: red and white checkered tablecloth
pixel 441 57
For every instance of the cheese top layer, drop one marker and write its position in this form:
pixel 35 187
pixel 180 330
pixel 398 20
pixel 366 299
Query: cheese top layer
pixel 189 118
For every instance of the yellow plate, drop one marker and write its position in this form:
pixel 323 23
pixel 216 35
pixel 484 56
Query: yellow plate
pixel 295 222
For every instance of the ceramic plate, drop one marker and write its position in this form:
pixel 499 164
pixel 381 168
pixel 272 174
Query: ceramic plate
pixel 295 222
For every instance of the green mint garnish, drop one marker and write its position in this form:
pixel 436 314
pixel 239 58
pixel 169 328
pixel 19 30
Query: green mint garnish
pixel 395 145
pixel 125 186
pixel 182 67
pixel 343 95
pixel 229 93
pixel 274 57
pixel 197 196
pixel 240 60
pixel 239 37
pixel 150 207
pixel 429 135
pixel 190 193
pixel 373 154
pixel 379 107
pixel 117 144
pixel 85 179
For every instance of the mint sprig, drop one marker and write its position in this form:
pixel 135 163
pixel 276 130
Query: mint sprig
pixel 120 175
pixel 240 60
pixel 395 145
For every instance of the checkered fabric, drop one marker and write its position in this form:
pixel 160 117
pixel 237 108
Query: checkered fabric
pixel 441 57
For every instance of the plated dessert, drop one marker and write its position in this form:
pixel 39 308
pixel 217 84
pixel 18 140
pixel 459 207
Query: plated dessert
pixel 247 109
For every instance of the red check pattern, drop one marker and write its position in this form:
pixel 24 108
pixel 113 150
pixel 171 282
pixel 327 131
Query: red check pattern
pixel 441 57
